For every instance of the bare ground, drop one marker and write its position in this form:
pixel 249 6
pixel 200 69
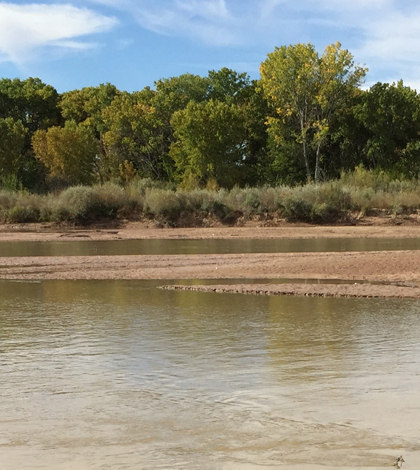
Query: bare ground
pixel 371 228
pixel 384 274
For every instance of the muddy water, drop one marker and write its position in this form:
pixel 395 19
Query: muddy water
pixel 209 246
pixel 122 375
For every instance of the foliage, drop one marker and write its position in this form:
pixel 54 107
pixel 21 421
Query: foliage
pixel 31 101
pixel 210 142
pixel 306 91
pixel 361 191
pixel 305 120
pixel 87 104
pixel 391 117
pixel 68 152
pixel 12 142
pixel 133 135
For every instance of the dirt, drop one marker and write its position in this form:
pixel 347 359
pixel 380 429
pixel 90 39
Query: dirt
pixel 371 228
pixel 367 274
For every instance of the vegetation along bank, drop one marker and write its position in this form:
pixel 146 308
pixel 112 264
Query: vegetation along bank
pixel 304 142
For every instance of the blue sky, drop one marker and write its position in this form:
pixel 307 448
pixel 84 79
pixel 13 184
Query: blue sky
pixel 131 43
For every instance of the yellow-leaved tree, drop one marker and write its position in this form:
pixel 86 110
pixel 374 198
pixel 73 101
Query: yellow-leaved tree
pixel 68 152
pixel 305 92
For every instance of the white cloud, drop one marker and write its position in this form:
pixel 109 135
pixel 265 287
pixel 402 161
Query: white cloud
pixel 383 34
pixel 209 21
pixel 206 20
pixel 26 28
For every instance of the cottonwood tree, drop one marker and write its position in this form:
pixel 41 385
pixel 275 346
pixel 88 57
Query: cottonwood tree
pixel 12 144
pixel 390 115
pixel 210 143
pixel 133 137
pixel 86 105
pixel 31 101
pixel 34 104
pixel 69 152
pixel 306 91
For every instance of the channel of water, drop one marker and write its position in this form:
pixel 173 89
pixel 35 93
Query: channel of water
pixel 123 375
pixel 205 246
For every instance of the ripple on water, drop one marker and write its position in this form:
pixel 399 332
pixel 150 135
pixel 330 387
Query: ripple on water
pixel 122 375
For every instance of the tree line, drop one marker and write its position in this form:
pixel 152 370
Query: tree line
pixel 306 119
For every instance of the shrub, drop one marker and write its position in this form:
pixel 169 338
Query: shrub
pixel 76 204
pixel 20 214
pixel 164 204
pixel 7 199
pixel 110 200
pixel 362 178
pixel 296 207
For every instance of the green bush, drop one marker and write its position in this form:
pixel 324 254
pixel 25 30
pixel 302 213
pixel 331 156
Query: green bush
pixel 110 201
pixel 361 190
pixel 163 204
pixel 76 204
pixel 362 178
pixel 7 199
pixel 296 207
pixel 20 214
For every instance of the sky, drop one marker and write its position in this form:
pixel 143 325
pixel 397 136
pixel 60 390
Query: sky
pixel 72 44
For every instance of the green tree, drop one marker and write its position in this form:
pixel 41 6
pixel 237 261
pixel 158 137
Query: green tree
pixel 210 143
pixel 31 101
pixel 86 105
pixel 173 94
pixel 69 152
pixel 133 134
pixel 390 115
pixel 12 145
pixel 229 86
pixel 306 92
pixel 34 104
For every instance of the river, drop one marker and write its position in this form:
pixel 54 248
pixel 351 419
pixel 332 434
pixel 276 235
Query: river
pixel 123 375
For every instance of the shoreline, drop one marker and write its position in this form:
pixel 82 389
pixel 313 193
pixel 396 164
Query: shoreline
pixel 384 274
pixel 139 230
pixel 356 290
pixel 397 269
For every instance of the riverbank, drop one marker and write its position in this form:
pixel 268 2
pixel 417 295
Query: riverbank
pixel 362 274
pixel 371 228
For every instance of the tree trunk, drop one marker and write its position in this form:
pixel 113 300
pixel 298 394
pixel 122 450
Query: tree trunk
pixel 316 176
pixel 305 152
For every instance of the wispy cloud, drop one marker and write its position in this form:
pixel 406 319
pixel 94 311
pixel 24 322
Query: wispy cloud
pixel 383 34
pixel 209 21
pixel 206 20
pixel 24 29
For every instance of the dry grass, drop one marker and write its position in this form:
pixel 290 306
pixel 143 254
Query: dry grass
pixel 361 191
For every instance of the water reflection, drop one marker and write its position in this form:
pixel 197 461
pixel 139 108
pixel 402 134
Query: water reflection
pixel 119 374
pixel 209 246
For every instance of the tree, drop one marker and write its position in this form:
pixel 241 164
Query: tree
pixel 34 104
pixel 173 94
pixel 229 86
pixel 210 143
pixel 12 144
pixel 390 115
pixel 133 134
pixel 86 105
pixel 31 101
pixel 305 92
pixel 69 152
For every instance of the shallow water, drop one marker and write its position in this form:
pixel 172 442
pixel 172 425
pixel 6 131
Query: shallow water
pixel 208 246
pixel 122 375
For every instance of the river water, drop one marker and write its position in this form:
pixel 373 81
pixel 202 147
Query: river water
pixel 84 247
pixel 123 375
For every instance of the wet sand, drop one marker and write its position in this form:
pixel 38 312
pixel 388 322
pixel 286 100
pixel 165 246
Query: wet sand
pixel 397 272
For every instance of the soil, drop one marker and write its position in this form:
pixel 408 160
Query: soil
pixel 363 274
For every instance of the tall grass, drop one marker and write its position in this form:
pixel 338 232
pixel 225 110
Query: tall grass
pixel 361 192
